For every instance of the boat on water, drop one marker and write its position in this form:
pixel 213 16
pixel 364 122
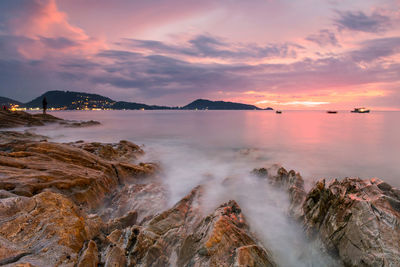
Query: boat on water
pixel 279 112
pixel 332 111
pixel 360 110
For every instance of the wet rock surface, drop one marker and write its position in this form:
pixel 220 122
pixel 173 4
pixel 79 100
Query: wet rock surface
pixel 183 236
pixel 359 220
pixel 356 221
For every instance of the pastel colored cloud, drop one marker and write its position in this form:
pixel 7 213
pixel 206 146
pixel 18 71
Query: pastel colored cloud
pixel 359 21
pixel 264 52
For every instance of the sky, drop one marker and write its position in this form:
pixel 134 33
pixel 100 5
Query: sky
pixel 309 54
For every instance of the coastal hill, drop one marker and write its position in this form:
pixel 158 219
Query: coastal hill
pixel 77 100
pixel 68 100
pixel 8 101
pixel 71 100
pixel 219 105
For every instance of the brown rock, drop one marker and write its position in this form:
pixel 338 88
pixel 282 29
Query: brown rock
pixel 9 119
pixel 182 236
pixel 47 229
pixel 122 151
pixel 30 168
pixel 11 136
pixel 90 257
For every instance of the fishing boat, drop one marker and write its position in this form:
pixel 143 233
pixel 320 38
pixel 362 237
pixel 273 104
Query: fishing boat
pixel 360 110
pixel 332 111
pixel 278 111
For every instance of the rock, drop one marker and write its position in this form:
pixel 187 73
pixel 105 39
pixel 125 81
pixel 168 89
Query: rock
pixel 81 124
pixel 89 257
pixel 145 199
pixel 261 172
pixel 47 191
pixel 30 168
pixel 47 229
pixel 122 151
pixel 10 119
pixel 11 136
pixel 356 219
pixel 291 181
pixel 182 236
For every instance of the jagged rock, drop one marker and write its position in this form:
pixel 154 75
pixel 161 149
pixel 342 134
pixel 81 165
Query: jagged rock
pixel 46 192
pixel 359 220
pixel 182 236
pixel 291 181
pixel 45 230
pixel 145 199
pixel 30 168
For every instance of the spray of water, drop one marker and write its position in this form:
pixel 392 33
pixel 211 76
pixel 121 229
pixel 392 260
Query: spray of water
pixel 226 176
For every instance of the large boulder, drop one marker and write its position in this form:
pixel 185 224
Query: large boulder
pixel 28 168
pixel 359 220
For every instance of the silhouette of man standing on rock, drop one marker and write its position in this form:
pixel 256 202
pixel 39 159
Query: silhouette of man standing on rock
pixel 44 103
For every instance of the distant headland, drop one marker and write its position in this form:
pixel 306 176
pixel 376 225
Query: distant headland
pixel 68 100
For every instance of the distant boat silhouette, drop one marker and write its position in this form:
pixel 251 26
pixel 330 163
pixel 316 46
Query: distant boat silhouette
pixel 332 111
pixel 360 110
pixel 278 111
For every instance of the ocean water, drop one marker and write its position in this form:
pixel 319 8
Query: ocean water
pixel 208 147
pixel 314 143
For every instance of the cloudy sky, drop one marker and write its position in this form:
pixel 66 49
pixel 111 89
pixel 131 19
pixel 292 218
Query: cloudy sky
pixel 309 54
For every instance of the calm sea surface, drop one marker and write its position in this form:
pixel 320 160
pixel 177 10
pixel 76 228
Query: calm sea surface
pixel 314 143
pixel 219 148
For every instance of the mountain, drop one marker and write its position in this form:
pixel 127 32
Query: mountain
pixel 71 100
pixel 8 101
pixel 219 105
pixel 78 100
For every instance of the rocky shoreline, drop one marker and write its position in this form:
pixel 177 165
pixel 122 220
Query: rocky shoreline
pixel 96 204
pixel 11 119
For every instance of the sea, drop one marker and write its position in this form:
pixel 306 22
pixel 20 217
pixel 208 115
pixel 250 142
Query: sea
pixel 208 147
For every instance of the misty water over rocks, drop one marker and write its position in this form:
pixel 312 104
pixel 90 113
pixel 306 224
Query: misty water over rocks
pixel 219 149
